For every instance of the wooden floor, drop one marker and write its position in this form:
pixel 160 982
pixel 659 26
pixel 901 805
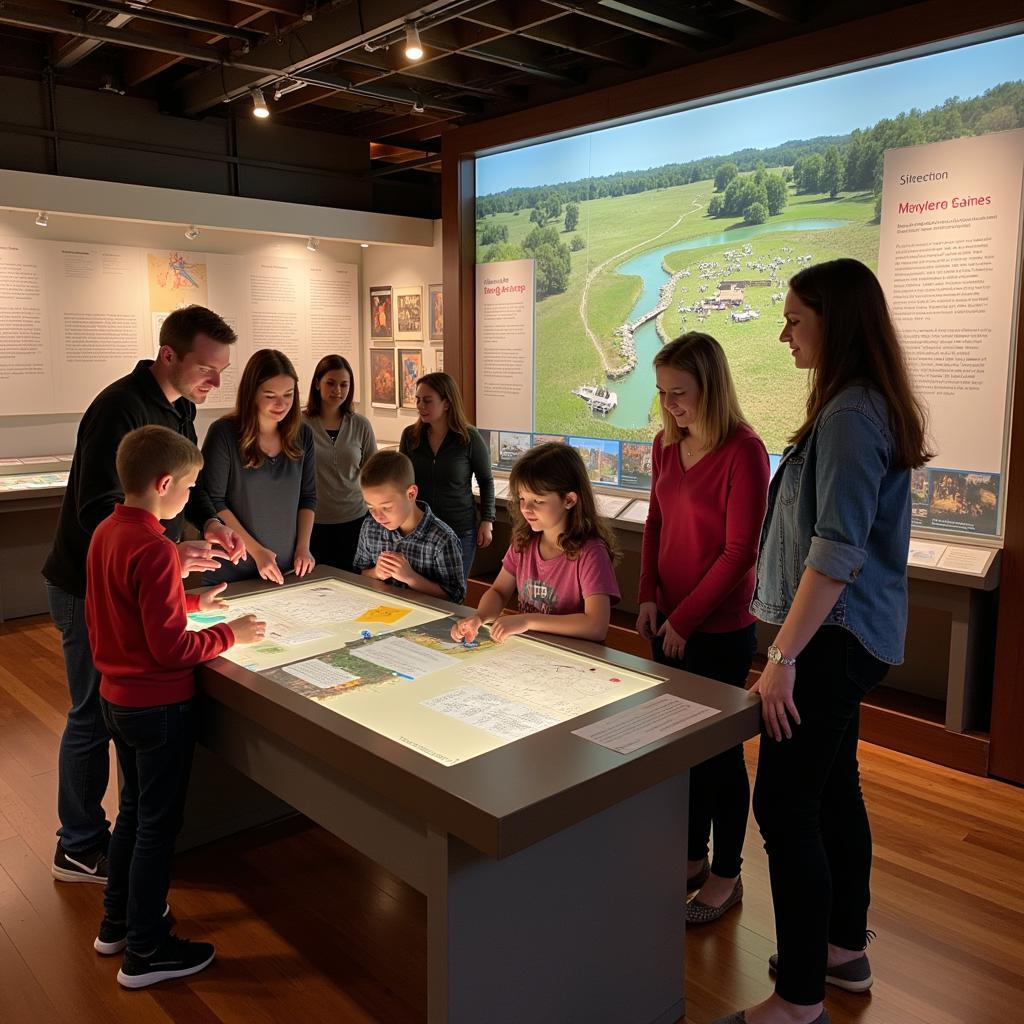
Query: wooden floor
pixel 307 930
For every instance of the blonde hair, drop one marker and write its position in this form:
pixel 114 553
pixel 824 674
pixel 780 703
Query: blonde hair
pixel 557 468
pixel 148 453
pixel 718 407
pixel 448 391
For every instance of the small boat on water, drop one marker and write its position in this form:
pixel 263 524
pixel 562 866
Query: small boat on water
pixel 599 399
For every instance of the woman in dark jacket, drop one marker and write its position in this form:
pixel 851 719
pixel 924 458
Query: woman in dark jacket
pixel 447 453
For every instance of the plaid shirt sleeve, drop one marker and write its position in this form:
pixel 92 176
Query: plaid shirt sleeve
pixel 364 557
pixel 448 567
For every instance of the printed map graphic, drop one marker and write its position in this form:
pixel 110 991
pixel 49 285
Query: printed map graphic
pixel 175 279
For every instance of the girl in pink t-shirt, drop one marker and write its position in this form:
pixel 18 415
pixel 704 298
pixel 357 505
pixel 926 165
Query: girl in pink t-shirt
pixel 560 562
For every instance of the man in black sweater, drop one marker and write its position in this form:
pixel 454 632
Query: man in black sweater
pixel 195 349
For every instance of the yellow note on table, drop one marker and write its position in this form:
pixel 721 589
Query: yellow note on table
pixel 383 613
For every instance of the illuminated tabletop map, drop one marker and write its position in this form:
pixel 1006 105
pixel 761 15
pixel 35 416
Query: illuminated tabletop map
pixel 391 665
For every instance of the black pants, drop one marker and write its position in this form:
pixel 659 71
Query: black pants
pixel 335 543
pixel 719 788
pixel 809 806
pixel 154 749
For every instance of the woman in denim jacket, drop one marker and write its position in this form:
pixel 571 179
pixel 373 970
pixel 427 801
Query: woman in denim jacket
pixel 832 571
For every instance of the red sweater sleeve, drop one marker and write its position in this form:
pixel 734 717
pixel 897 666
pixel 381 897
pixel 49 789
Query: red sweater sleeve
pixel 162 603
pixel 652 532
pixel 744 514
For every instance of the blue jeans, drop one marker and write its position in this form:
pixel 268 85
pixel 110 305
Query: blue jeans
pixel 84 761
pixel 467 541
pixel 154 749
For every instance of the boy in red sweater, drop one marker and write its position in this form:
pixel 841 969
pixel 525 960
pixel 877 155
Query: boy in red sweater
pixel 136 612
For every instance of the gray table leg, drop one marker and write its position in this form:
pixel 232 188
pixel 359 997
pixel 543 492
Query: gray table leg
pixel 586 926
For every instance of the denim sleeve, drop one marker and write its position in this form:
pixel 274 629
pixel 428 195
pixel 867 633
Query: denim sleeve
pixel 852 459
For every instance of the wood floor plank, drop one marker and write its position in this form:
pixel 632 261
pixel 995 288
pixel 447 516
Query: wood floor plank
pixel 308 930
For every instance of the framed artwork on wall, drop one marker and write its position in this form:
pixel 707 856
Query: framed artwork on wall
pixel 435 312
pixel 439 360
pixel 383 378
pixel 381 319
pixel 410 367
pixel 409 313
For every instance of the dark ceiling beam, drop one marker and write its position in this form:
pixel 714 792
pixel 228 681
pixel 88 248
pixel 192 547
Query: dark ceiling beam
pixel 405 165
pixel 27 17
pixel 781 10
pixel 159 17
pixel 671 15
pixel 333 31
pixel 138 66
pixel 598 12
pixel 70 48
pixel 588 39
pixel 293 8
pixel 514 17
pixel 447 70
pixel 525 56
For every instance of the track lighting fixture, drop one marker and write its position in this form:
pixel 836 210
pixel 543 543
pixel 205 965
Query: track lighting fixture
pixel 259 104
pixel 313 245
pixel 192 233
pixel 283 88
pixel 43 220
pixel 413 47
pixel 417 106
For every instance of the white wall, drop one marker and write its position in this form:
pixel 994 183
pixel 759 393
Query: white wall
pixel 380 264
pixel 397 266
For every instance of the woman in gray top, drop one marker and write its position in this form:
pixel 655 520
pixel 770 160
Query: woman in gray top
pixel 344 441
pixel 260 472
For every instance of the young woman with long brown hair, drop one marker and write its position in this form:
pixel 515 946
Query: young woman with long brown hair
pixel 259 470
pixel 559 564
pixel 446 453
pixel 344 441
pixel 708 492
pixel 832 573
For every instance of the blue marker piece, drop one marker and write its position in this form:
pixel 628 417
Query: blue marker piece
pixel 366 634
pixel 402 675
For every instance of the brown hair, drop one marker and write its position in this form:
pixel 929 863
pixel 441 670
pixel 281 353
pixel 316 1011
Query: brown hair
pixel 448 391
pixel 262 366
pixel 860 346
pixel 314 403
pixel 718 408
pixel 387 467
pixel 556 468
pixel 148 453
pixel 178 332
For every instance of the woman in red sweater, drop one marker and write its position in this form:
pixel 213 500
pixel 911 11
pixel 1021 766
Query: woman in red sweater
pixel 708 498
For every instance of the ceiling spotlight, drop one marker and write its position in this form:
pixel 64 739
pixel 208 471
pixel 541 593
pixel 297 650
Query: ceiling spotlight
pixel 193 233
pixel 313 245
pixel 43 219
pixel 413 47
pixel 364 245
pixel 417 106
pixel 259 104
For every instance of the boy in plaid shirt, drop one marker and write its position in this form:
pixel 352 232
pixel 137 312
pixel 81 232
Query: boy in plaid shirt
pixel 404 543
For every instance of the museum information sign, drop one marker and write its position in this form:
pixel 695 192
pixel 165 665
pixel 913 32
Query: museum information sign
pixel 949 261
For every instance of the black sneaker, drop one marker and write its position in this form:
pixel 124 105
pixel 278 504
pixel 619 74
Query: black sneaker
pixel 173 958
pixel 80 867
pixel 113 935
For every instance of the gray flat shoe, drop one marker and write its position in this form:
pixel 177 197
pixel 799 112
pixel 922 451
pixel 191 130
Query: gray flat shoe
pixel 854 976
pixel 704 913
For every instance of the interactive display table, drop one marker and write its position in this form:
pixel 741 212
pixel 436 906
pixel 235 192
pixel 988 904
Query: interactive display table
pixel 553 867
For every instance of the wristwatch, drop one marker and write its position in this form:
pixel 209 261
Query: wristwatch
pixel 776 657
